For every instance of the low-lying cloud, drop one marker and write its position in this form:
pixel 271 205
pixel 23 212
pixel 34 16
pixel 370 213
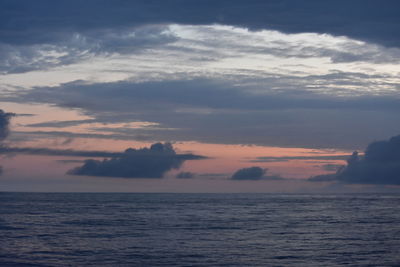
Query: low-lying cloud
pixel 151 162
pixel 4 128
pixel 185 175
pixel 283 159
pixel 379 165
pixel 253 173
pixel 4 124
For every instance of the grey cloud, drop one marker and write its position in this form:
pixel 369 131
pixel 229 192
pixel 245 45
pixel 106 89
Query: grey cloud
pixel 67 141
pixel 16 59
pixel 324 178
pixel 150 162
pixel 57 152
pixel 4 124
pixel 68 161
pixel 74 153
pixel 213 175
pixel 212 94
pixel 253 173
pixel 132 40
pixel 351 52
pixel 379 165
pixel 4 128
pixel 26 135
pixel 235 114
pixel 31 30
pixel 24 115
pixel 76 47
pixel 185 175
pixel 46 21
pixel 60 124
pixel 347 51
pixel 332 167
pixel 281 159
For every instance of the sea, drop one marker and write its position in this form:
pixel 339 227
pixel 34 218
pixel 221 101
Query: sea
pixel 131 229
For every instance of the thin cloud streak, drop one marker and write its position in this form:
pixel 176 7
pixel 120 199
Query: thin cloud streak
pixel 76 153
pixel 288 158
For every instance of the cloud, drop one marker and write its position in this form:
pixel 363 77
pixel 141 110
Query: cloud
pixel 185 175
pixel 4 124
pixel 58 152
pixel 253 173
pixel 46 35
pixel 379 165
pixel 60 124
pixel 332 167
pixel 75 47
pixel 213 174
pixel 282 159
pixel 4 128
pixel 202 93
pixel 65 134
pixel 217 111
pixel 46 21
pixel 74 153
pixel 240 41
pixel 185 48
pixel 151 162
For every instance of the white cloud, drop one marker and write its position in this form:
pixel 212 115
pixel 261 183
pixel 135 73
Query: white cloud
pixel 313 62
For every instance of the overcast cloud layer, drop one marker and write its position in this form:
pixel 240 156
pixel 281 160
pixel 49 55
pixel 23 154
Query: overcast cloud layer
pixel 281 73
pixel 362 19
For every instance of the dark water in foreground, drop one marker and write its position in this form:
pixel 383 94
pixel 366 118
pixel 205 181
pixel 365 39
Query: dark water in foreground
pixel 77 229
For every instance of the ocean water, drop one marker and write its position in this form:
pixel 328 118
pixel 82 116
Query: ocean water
pixel 104 229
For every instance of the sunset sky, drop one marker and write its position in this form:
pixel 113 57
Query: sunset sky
pixel 290 87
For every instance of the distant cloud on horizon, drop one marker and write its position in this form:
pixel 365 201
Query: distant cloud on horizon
pixel 185 175
pixel 4 124
pixel 253 174
pixel 379 165
pixel 4 128
pixel 151 162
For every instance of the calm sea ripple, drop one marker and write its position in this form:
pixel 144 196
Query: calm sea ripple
pixel 105 229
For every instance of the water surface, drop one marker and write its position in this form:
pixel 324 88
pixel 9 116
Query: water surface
pixel 106 229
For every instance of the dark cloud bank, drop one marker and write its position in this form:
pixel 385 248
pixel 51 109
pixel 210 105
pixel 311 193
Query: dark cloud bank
pixel 379 165
pixel 4 128
pixel 151 162
pixel 232 114
pixel 46 21
pixel 253 173
pixel 4 124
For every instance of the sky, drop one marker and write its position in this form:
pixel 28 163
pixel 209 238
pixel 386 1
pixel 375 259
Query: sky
pixel 200 96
